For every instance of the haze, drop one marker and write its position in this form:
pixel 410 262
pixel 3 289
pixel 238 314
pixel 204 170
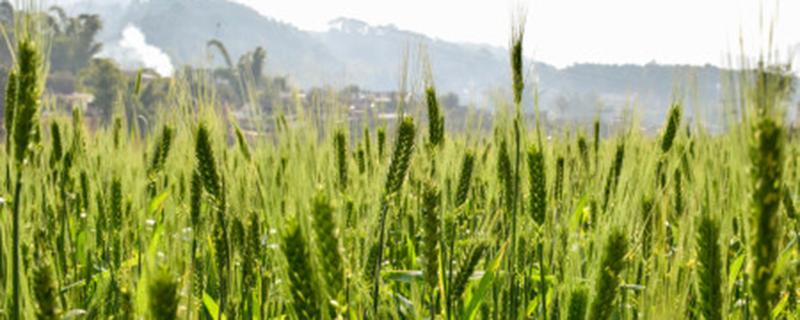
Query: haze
pixel 563 32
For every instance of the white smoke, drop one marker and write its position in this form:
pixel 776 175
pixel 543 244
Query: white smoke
pixel 132 52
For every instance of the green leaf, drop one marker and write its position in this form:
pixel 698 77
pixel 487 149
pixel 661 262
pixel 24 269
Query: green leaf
pixel 211 306
pixel 579 213
pixel 138 87
pixel 157 202
pixel 736 267
pixel 778 310
pixel 785 258
pixel 483 286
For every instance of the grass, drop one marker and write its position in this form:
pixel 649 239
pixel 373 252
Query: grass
pixel 198 220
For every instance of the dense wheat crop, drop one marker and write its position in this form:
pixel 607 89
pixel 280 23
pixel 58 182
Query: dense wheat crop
pixel 197 220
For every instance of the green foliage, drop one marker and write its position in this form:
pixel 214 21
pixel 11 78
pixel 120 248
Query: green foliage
pixel 73 39
pixel 103 79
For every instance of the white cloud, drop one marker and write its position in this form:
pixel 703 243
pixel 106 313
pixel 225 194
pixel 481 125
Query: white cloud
pixel 132 52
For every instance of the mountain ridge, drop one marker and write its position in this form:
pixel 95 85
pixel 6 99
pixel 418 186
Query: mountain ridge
pixel 354 52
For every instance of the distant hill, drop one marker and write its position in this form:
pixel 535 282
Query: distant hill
pixel 353 52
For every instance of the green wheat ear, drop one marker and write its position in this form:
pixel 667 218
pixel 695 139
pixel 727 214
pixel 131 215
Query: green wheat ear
pixel 301 282
pixel 596 129
pixel 614 172
pixel 678 189
pixel 58 148
pixel 163 295
pixel 435 118
pixel 465 178
pixel 206 164
pixel 398 168
pixel 467 269
pixel 578 301
pixel 559 177
pixel 710 270
pixel 648 225
pixel 117 220
pixel 381 141
pixel 159 157
pixel 517 35
pixel 327 231
pixel 161 150
pixel 207 171
pixel 27 102
pixel 45 291
pixel 431 233
pixel 608 278
pixel 11 103
pixel 538 186
pixel 196 197
pixel 340 146
pixel 117 131
pixel 673 122
pixel 583 150
pixel 252 251
pixel 244 148
pixel 505 175
pixel 767 169
pixel 361 159
pixel 401 158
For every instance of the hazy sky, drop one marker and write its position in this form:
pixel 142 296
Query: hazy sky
pixel 563 32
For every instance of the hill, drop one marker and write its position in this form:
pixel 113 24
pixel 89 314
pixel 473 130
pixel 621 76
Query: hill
pixel 354 52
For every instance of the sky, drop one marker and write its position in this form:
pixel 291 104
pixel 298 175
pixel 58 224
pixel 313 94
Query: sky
pixel 564 32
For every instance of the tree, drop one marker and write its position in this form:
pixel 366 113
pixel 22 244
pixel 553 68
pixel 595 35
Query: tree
pixel 74 42
pixel 106 82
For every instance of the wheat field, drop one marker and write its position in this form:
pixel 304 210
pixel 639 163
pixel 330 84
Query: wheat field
pixel 318 218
